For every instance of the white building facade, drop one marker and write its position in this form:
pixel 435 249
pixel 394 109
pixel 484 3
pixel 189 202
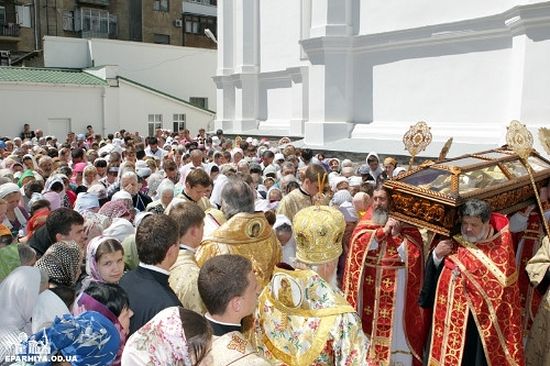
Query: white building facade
pixel 58 101
pixel 354 75
pixel 185 72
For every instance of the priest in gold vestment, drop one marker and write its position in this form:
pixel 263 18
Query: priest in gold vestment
pixel 302 318
pixel 184 272
pixel 537 349
pixel 313 183
pixel 245 232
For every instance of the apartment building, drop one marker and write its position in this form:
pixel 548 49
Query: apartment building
pixel 24 23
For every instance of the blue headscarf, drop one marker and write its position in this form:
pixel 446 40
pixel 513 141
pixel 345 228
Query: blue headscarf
pixel 87 339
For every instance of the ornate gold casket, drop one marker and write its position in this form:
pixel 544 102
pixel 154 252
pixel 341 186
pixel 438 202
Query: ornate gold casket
pixel 429 196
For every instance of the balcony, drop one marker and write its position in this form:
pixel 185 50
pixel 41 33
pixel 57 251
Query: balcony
pixel 199 7
pixel 95 2
pixel 9 32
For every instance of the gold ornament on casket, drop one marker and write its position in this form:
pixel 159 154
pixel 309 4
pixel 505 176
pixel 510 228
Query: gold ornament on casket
pixel 416 139
pixel 520 140
pixel 544 137
pixel 445 150
pixel 430 195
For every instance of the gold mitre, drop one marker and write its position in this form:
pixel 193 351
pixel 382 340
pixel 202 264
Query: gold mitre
pixel 319 231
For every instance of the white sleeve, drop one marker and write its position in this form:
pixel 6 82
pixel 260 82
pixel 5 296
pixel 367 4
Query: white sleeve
pixel 437 260
pixel 402 251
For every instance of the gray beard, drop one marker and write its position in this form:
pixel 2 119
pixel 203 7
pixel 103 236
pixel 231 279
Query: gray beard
pixel 475 239
pixel 380 216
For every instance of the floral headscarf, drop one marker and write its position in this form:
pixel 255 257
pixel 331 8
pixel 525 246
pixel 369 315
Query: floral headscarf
pixel 115 209
pixel 90 337
pixel 62 262
pixel 161 341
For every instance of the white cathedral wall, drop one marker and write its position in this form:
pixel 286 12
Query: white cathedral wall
pixel 466 68
pixel 279 34
pixel 377 16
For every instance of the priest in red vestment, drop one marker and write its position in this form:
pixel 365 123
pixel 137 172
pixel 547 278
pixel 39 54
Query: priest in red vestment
pixel 527 231
pixel 475 294
pixel 382 279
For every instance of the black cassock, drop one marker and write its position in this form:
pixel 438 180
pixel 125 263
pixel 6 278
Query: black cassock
pixel 149 293
pixel 473 354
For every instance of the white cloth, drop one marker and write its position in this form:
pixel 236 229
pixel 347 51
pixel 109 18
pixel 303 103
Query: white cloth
pixel 165 185
pixel 8 188
pixel 18 296
pixel 121 195
pixel 47 307
pixel 86 201
pixel 157 154
pixel 216 196
pixel 120 229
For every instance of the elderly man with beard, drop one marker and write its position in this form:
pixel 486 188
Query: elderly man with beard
pixel 382 279
pixel 472 284
pixel 301 317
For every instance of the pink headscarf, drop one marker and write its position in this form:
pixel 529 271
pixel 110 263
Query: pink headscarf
pixel 91 263
pixel 78 168
pixel 115 209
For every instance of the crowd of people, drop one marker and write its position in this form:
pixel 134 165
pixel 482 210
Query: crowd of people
pixel 207 250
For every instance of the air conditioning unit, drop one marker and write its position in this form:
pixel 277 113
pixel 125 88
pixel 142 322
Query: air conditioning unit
pixel 178 23
pixel 5 58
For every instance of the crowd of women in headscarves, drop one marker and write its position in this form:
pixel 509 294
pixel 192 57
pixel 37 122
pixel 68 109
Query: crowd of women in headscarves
pixel 69 298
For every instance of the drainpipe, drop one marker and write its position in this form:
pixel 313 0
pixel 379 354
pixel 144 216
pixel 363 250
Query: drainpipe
pixel 104 110
pixel 36 12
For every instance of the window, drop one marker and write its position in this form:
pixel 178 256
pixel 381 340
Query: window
pixel 199 102
pixel 68 21
pixel 179 122
pixel 197 25
pixel 94 23
pixel 23 15
pixel 191 24
pixel 161 5
pixel 2 15
pixel 154 121
pixel 161 38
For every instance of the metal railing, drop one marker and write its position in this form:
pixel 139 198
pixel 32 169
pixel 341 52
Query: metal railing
pixel 95 2
pixel 9 30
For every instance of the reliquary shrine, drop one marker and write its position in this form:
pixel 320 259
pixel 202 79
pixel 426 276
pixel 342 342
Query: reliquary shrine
pixel 429 195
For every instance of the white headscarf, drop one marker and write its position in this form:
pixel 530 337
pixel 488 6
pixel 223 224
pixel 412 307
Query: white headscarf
pixel 57 178
pixel 8 188
pixel 121 195
pixel 47 307
pixel 120 229
pixel 86 201
pixel 18 296
pixel 5 190
pixel 165 185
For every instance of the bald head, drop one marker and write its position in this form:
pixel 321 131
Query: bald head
pixel 361 201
